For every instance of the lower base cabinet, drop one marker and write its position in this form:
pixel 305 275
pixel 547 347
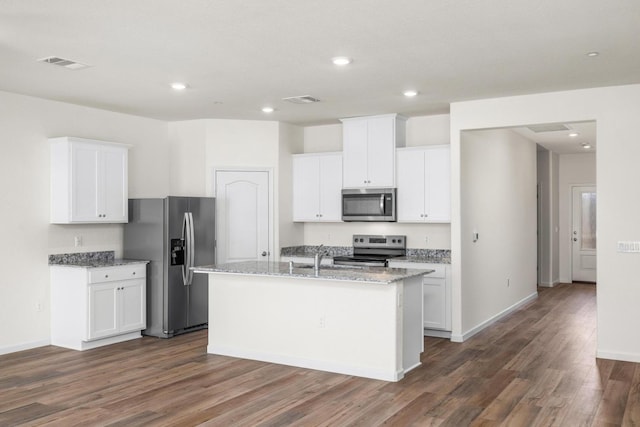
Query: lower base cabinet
pixel 92 307
pixel 436 294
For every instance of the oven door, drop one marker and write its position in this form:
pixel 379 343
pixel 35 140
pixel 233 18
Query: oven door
pixel 369 205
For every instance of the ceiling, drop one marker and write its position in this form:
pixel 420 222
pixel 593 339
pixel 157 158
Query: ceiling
pixel 238 57
pixel 563 141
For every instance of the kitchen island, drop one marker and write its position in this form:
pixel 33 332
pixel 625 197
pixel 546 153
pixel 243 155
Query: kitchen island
pixel 357 321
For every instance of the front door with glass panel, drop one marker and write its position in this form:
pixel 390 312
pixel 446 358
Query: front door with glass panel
pixel 583 234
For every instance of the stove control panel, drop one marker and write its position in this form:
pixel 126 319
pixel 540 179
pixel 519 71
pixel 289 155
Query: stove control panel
pixel 379 241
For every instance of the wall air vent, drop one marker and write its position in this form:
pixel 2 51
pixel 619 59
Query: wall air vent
pixel 304 99
pixel 548 128
pixel 66 63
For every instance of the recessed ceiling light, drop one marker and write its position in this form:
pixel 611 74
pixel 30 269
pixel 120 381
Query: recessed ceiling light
pixel 592 54
pixel 410 93
pixel 341 61
pixel 573 134
pixel 178 86
pixel 268 110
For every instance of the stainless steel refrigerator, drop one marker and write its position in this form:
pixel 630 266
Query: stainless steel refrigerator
pixel 174 233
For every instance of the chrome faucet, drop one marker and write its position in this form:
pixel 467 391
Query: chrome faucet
pixel 317 258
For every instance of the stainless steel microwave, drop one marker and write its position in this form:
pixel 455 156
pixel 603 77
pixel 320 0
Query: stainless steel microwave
pixel 369 204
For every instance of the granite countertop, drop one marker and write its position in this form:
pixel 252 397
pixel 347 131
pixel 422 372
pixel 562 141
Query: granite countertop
pixel 99 264
pixel 91 260
pixel 380 275
pixel 423 259
pixel 427 256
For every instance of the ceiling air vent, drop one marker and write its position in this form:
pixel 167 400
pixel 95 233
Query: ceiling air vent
pixel 66 63
pixel 548 128
pixel 304 99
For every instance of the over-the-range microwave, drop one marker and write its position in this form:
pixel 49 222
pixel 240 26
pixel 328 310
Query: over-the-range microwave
pixel 369 204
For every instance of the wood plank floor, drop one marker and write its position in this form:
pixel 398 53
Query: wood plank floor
pixel 535 367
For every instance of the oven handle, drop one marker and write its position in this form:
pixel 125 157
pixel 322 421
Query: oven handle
pixel 382 204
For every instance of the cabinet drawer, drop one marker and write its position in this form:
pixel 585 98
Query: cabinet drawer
pixel 110 274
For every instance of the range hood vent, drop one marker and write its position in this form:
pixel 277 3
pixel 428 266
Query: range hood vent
pixel 548 128
pixel 66 63
pixel 304 99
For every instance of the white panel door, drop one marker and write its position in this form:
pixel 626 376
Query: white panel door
pixel 103 316
pixel 242 216
pixel 114 200
pixel 583 234
pixel 381 152
pixel 438 191
pixel 411 185
pixel 354 141
pixel 132 305
pixel 85 184
pixel 331 187
pixel 306 188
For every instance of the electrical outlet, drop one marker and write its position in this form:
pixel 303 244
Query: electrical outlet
pixel 426 239
pixel 38 306
pixel 77 241
pixel 322 323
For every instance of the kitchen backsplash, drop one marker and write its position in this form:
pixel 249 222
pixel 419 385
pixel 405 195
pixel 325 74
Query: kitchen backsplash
pixel 435 255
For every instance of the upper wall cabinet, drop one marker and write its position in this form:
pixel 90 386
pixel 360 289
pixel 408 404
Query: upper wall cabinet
pixel 424 184
pixel 88 181
pixel 317 187
pixel 369 148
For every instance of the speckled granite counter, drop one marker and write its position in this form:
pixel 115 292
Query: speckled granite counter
pixel 380 275
pixel 428 256
pixel 90 260
pixel 308 251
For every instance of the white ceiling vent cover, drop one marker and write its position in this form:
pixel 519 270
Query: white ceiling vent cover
pixel 304 99
pixel 66 63
pixel 548 128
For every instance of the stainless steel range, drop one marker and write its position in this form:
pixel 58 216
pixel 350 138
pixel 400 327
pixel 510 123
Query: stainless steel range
pixel 373 250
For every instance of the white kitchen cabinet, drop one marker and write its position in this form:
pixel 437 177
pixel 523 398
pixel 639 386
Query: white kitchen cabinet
pixel 317 187
pixel 436 293
pixel 369 147
pixel 89 181
pixel 424 184
pixel 92 307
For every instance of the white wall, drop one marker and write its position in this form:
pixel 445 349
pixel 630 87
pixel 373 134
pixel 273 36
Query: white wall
pixel 422 130
pixel 575 169
pixel 615 110
pixel 291 142
pixel 498 201
pixel 25 125
pixel 188 153
pixel 544 217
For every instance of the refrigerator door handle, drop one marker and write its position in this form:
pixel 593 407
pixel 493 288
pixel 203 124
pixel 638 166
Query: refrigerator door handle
pixel 185 239
pixel 192 248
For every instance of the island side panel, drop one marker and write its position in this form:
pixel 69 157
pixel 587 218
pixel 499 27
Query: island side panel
pixel 336 326
pixel 412 314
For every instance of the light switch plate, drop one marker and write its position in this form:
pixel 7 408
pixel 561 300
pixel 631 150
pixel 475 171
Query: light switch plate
pixel 629 247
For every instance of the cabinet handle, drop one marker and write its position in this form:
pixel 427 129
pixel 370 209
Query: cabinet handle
pixel 134 273
pixel 106 276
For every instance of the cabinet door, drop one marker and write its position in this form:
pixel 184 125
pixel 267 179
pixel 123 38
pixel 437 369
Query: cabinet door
pixel 438 182
pixel 330 187
pixel 113 188
pixel 84 182
pixel 381 148
pixel 354 141
pixel 306 190
pixel 435 303
pixel 102 315
pixel 411 185
pixel 132 306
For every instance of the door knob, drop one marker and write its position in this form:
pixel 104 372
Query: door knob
pixel 264 253
pixel 575 239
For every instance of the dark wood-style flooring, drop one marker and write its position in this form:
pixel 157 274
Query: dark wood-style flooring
pixel 534 367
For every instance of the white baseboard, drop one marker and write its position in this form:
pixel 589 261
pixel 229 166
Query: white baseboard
pixel 321 365
pixel 613 355
pixel 471 332
pixel 436 333
pixel 24 346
